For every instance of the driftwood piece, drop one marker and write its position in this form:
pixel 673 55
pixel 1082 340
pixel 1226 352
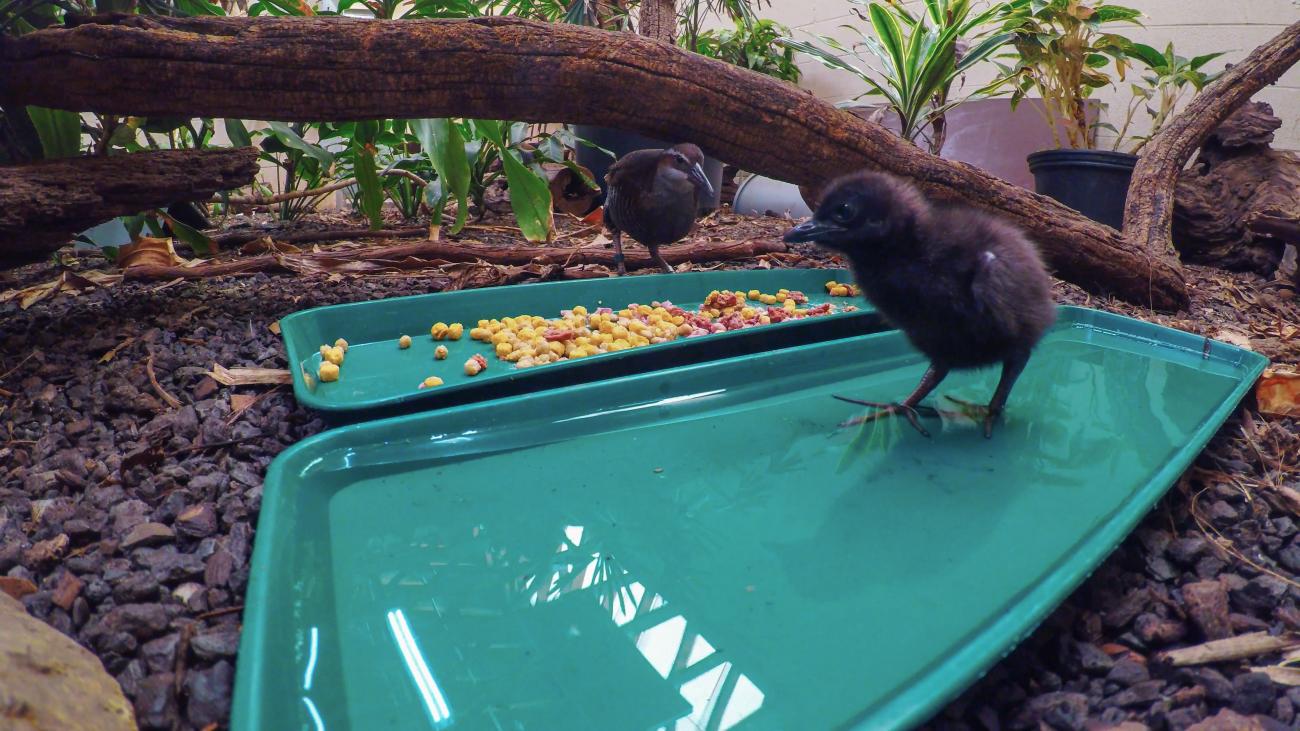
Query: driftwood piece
pixel 426 253
pixel 1238 206
pixel 1232 648
pixel 44 204
pixel 508 68
pixel 1149 211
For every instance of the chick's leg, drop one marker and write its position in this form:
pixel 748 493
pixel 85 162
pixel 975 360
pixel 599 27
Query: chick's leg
pixel 618 252
pixel 658 259
pixel 1011 369
pixel 934 375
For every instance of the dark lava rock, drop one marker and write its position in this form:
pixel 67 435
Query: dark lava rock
pixel 160 654
pixel 1092 659
pixel 1060 710
pixel 155 702
pixel 1154 630
pixel 197 521
pixel 1262 593
pixel 1253 693
pixel 208 694
pixel 1128 672
pixel 141 621
pixel 216 644
pixel 1207 607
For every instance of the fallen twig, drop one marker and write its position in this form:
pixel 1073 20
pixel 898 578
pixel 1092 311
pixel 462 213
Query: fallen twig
pixel 419 255
pixel 221 612
pixel 171 400
pixel 1233 648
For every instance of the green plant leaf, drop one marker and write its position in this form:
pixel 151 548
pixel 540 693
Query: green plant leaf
pixel 197 240
pixel 369 185
pixel 530 199
pixel 59 130
pixel 289 138
pixel 445 147
pixel 238 133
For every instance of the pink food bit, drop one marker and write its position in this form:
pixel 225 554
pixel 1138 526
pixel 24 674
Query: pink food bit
pixel 556 334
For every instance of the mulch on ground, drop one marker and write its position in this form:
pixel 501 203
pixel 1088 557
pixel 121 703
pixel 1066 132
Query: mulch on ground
pixel 127 523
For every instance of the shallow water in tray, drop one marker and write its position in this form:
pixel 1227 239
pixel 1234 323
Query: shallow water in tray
pixel 717 562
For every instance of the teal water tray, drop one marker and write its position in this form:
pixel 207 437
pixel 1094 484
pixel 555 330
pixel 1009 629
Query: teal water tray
pixel 701 548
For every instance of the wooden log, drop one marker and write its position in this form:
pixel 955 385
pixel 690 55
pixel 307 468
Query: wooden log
pixel 1239 205
pixel 44 204
pixel 508 68
pixel 426 253
pixel 1148 214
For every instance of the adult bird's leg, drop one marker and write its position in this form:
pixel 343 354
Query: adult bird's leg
pixel 1011 369
pixel 654 254
pixel 934 375
pixel 618 253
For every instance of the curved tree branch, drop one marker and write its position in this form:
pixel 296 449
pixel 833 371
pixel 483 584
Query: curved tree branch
pixel 1149 212
pixel 507 68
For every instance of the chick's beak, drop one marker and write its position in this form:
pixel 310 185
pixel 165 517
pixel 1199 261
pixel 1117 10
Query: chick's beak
pixel 811 230
pixel 702 180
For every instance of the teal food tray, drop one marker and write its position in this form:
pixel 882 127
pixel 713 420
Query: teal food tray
pixel 379 379
pixel 694 548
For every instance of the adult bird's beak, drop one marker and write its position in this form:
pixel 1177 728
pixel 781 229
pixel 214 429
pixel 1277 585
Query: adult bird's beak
pixel 697 174
pixel 810 230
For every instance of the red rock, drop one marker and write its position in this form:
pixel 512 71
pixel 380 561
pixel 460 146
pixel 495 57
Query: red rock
pixel 1207 606
pixel 16 587
pixel 1227 720
pixel 68 589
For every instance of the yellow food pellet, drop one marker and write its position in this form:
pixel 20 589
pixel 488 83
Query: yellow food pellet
pixel 754 294
pixel 335 356
pixel 324 349
pixel 579 310
pixel 341 343
pixel 591 349
pixel 839 292
pixel 440 353
pixel 767 299
pixel 678 320
pixel 482 323
pixel 479 333
pixel 747 312
pixel 404 342
pixel 557 348
pixel 832 283
pixel 500 337
pixel 438 331
pixel 578 353
pixel 503 349
pixel 764 320
pixel 455 331
pixel 431 382
pixel 472 367
pixel 789 305
pixel 328 371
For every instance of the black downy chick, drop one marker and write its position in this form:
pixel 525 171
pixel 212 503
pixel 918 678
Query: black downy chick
pixel 654 196
pixel 966 288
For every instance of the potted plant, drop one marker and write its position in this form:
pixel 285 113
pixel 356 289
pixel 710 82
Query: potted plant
pixel 1062 52
pixel 913 61
pixel 1168 77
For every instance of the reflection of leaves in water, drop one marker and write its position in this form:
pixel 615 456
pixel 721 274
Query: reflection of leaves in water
pixel 873 436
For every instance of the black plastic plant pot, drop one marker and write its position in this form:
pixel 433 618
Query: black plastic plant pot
pixel 621 142
pixel 1092 182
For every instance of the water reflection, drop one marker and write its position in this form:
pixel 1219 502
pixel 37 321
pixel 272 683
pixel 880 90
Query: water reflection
pixel 719 694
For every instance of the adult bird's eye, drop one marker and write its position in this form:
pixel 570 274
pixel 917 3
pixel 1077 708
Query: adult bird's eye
pixel 843 213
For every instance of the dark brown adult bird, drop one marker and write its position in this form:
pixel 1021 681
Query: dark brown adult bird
pixel 654 196
pixel 966 288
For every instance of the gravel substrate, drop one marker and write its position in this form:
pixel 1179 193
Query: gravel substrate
pixel 130 522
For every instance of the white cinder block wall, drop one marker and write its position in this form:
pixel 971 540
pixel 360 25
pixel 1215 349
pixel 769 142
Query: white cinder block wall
pixel 1195 27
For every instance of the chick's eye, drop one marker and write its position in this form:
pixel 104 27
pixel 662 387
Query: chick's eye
pixel 844 212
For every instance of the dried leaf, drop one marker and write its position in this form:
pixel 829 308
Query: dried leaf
pixel 248 376
pixel 110 355
pixel 66 282
pixel 148 251
pixel 1278 392
pixel 274 327
pixel 1281 675
pixel 241 401
pixel 1232 337
pixel 595 217
pixel 267 245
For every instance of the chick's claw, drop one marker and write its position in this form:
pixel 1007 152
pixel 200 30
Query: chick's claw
pixel 884 411
pixel 975 411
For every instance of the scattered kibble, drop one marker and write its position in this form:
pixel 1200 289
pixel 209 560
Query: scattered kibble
pixel 335 355
pixel 474 365
pixel 440 352
pixel 324 349
pixel 341 343
pixel 842 289
pixel 431 382
pixel 439 330
pixel 455 331
pixel 328 371
pixel 404 342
